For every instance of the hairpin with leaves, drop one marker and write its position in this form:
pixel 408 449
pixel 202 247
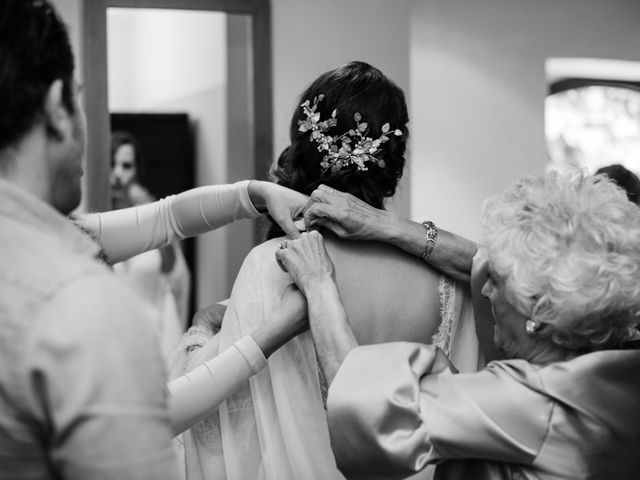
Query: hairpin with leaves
pixel 351 148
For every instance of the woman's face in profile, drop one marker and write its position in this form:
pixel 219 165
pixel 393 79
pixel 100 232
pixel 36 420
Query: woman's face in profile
pixel 509 332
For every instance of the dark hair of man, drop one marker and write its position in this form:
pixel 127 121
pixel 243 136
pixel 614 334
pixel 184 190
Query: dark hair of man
pixel 625 179
pixel 354 87
pixel 34 52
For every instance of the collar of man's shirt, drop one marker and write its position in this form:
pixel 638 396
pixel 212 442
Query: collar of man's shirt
pixel 20 205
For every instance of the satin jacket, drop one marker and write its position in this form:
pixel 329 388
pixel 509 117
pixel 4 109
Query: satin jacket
pixel 392 410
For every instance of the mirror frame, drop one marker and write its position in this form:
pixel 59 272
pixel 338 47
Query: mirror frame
pixel 96 83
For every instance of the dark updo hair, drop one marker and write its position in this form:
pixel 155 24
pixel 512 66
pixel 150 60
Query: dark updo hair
pixel 354 87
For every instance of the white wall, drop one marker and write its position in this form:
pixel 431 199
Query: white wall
pixel 159 56
pixel 478 88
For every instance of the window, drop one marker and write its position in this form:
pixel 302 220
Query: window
pixel 593 123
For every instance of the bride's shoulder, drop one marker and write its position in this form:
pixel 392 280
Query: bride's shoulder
pixel 267 246
pixel 263 253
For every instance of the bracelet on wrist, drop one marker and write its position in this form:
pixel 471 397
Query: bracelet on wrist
pixel 431 232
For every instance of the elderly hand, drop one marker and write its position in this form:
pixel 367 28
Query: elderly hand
pixel 345 215
pixel 283 204
pixel 307 261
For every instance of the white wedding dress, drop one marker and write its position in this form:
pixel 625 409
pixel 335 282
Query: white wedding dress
pixel 274 427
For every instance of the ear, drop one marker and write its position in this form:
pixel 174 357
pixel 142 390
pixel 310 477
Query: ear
pixel 56 113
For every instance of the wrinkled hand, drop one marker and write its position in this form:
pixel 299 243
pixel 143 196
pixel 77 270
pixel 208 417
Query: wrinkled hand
pixel 292 310
pixel 211 316
pixel 307 261
pixel 283 204
pixel 345 215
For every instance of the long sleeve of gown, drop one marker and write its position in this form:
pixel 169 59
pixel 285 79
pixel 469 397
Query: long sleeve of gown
pixel 130 231
pixel 207 386
pixel 391 413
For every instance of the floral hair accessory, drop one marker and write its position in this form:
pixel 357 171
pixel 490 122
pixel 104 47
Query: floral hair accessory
pixel 351 148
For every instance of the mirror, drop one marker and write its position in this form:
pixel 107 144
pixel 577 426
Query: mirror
pixel 189 67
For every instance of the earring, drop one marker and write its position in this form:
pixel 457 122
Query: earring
pixel 530 326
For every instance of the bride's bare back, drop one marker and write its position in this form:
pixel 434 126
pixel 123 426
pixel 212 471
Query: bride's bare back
pixel 388 294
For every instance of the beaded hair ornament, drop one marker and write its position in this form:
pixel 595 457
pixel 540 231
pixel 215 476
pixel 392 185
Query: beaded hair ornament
pixel 351 148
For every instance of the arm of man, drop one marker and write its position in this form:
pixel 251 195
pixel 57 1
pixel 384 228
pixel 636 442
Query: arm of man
pixel 351 218
pixel 395 408
pixel 96 377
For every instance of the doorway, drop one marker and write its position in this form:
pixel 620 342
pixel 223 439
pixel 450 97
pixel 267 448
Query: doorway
pixel 249 131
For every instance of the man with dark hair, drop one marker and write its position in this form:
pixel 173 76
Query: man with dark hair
pixel 82 384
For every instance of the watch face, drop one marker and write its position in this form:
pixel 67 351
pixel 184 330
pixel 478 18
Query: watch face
pixel 592 126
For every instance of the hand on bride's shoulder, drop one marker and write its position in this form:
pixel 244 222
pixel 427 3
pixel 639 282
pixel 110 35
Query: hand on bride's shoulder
pixel 345 215
pixel 307 261
pixel 283 204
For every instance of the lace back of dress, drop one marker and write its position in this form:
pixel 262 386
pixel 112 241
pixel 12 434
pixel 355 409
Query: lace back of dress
pixel 456 335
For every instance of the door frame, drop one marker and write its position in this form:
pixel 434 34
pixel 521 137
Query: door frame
pixel 96 83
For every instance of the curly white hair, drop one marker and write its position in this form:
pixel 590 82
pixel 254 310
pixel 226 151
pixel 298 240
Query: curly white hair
pixel 568 248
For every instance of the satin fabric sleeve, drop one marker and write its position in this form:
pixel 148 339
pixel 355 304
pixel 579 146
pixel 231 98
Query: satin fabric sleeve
pixel 130 231
pixel 391 412
pixel 205 387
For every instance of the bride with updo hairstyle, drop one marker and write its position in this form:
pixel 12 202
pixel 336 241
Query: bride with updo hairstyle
pixel 354 87
pixel 348 132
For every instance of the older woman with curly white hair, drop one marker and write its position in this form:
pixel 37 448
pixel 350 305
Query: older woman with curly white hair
pixel 563 255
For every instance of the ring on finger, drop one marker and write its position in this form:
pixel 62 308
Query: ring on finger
pixel 282 245
pixel 331 191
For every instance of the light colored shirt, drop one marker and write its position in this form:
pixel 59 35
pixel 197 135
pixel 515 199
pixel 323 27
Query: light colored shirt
pixel 392 410
pixel 82 383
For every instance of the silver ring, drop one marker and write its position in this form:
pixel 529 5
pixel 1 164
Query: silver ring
pixel 331 191
pixel 282 245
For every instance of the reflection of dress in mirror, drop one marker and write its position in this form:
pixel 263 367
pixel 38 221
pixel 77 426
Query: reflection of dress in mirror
pixel 275 426
pixel 161 276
